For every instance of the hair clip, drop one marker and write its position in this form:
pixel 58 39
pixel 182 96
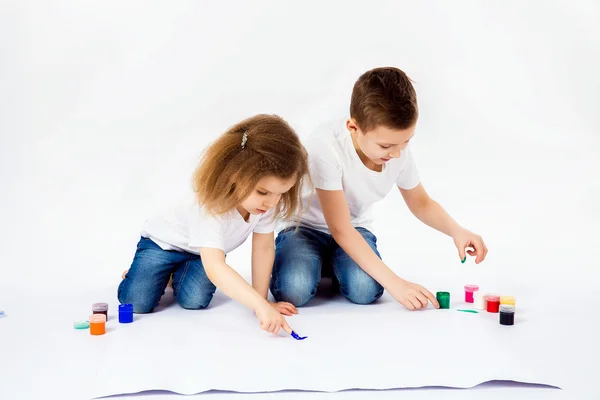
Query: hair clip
pixel 244 139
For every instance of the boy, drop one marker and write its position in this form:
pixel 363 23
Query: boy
pixel 355 163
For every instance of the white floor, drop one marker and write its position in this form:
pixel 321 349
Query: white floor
pixel 487 391
pixel 220 351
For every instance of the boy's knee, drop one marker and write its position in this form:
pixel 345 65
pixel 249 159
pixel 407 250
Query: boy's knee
pixel 294 288
pixel 363 291
pixel 364 297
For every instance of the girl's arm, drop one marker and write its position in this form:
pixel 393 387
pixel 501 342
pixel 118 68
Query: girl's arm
pixel 263 256
pixel 233 285
pixel 228 280
pixel 337 215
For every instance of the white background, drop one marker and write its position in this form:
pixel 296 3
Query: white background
pixel 106 106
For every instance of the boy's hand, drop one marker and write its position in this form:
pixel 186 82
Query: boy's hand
pixel 271 320
pixel 285 308
pixel 411 295
pixel 464 239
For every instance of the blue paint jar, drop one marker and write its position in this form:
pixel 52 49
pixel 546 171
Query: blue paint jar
pixel 125 313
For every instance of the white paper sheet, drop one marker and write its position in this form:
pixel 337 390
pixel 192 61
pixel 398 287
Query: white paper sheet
pixel 380 346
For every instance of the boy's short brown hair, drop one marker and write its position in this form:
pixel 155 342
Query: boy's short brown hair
pixel 384 96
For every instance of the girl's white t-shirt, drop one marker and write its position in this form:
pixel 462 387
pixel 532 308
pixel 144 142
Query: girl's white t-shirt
pixel 188 227
pixel 335 165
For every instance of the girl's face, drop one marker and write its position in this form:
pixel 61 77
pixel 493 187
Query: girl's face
pixel 380 144
pixel 266 195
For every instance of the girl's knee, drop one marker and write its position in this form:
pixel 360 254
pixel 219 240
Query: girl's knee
pixel 141 304
pixel 143 299
pixel 196 302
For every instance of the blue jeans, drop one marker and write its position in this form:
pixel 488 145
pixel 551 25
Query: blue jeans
pixel 149 275
pixel 302 255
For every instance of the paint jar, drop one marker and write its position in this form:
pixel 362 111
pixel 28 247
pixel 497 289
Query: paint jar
pixel 97 324
pixel 479 301
pixel 469 290
pixel 81 325
pixel 507 314
pixel 100 308
pixel 492 303
pixel 507 300
pixel 444 299
pixel 125 313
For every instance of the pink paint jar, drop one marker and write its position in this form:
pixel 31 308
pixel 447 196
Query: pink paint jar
pixel 469 290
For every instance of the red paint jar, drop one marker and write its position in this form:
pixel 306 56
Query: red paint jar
pixel 493 303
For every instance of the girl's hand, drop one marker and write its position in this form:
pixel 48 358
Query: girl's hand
pixel 124 273
pixel 464 239
pixel 271 319
pixel 285 308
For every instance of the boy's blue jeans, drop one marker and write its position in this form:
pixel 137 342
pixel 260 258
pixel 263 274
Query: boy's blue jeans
pixel 149 275
pixel 302 255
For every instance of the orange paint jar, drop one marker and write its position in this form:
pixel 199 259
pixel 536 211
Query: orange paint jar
pixel 97 324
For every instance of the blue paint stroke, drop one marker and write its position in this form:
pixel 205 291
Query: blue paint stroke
pixel 298 337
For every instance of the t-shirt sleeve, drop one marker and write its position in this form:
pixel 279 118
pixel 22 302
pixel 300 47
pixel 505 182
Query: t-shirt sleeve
pixel 325 168
pixel 408 177
pixel 266 223
pixel 206 230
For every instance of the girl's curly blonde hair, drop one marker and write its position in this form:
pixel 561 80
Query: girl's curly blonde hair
pixel 260 146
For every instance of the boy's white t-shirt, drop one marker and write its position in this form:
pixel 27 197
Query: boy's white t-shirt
pixel 335 165
pixel 188 227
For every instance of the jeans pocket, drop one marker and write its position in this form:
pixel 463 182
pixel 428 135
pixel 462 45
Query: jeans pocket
pixel 281 236
pixel 367 234
pixel 147 243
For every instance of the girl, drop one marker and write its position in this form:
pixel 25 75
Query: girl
pixel 249 176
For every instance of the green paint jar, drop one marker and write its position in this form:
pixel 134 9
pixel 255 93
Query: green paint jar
pixel 444 299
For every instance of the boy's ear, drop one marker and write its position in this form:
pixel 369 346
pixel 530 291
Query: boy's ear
pixel 352 126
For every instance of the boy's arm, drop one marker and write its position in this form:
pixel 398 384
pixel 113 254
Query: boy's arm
pixel 337 215
pixel 263 256
pixel 431 213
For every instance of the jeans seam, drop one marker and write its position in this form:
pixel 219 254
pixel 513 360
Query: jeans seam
pixel 274 286
pixel 185 270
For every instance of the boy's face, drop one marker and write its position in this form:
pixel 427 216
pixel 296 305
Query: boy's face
pixel 266 194
pixel 381 143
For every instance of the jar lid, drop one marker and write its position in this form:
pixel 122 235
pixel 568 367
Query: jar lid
pixel 507 308
pixel 126 307
pixel 81 324
pixel 97 318
pixel 100 307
